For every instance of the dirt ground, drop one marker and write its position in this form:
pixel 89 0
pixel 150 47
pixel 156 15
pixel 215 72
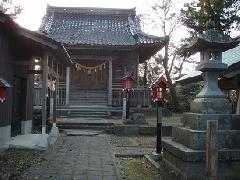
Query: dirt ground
pixel 14 162
pixel 138 168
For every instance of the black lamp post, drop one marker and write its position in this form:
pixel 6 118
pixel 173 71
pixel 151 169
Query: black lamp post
pixel 159 94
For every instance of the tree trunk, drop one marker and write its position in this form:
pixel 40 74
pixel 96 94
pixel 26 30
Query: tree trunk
pixel 175 103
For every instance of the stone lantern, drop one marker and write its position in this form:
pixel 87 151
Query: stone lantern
pixel 184 154
pixel 211 45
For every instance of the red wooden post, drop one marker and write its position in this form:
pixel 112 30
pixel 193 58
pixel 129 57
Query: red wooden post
pixel 128 83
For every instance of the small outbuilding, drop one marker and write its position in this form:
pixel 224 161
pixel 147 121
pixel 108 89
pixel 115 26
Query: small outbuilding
pixel 19 49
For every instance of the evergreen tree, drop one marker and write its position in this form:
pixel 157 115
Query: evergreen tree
pixel 224 14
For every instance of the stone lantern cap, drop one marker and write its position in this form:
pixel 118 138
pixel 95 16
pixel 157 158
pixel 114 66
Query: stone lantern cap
pixel 211 39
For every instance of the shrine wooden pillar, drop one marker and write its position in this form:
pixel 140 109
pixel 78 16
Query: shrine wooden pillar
pixel 238 102
pixel 44 91
pixel 110 82
pixel 67 85
pixel 137 71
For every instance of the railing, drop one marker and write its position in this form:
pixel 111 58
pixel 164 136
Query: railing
pixel 37 97
pixel 60 96
pixel 139 97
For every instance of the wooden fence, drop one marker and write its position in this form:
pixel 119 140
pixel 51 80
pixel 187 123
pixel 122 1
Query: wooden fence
pixel 139 97
pixel 61 95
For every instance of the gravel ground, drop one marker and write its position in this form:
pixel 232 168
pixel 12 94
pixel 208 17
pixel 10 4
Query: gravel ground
pixel 132 145
pixel 138 141
pixel 14 162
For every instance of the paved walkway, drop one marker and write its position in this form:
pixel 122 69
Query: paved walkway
pixel 76 157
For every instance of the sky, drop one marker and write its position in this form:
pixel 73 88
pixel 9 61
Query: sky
pixel 34 10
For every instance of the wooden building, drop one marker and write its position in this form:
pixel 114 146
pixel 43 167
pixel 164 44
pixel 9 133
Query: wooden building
pixel 19 49
pixel 105 44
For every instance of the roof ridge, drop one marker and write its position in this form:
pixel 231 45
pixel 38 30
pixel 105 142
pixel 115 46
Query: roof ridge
pixel 91 10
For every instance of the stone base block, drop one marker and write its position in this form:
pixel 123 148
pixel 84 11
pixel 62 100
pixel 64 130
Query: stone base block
pixel 181 162
pixel 26 127
pixel 198 121
pixel 5 134
pixel 137 118
pixel 126 130
pixel 188 154
pixel 211 105
pixel 196 139
pixel 172 167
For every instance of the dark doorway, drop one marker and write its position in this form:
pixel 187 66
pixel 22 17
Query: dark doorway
pixel 18 105
pixel 95 79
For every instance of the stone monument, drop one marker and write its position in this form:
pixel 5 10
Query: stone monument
pixel 184 154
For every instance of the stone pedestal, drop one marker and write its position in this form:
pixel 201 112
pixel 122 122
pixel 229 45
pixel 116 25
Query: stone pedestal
pixel 137 118
pixel 184 154
pixel 211 99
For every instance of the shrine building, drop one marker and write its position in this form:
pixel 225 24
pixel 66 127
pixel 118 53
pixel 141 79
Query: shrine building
pixel 104 45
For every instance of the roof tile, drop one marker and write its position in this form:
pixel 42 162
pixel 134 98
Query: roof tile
pixel 96 27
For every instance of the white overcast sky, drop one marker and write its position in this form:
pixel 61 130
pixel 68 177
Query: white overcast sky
pixel 34 10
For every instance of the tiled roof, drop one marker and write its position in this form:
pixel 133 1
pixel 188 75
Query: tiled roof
pixel 96 26
pixel 231 56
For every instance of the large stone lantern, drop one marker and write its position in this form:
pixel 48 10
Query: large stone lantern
pixel 211 45
pixel 184 154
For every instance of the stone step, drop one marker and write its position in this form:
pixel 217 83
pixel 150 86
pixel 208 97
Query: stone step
pixel 87 103
pixel 191 164
pixel 90 108
pixel 88 94
pixel 106 128
pixel 79 113
pixel 93 99
pixel 196 139
pixel 86 123
pixel 198 121
pixel 86 111
pixel 88 91
pixel 82 101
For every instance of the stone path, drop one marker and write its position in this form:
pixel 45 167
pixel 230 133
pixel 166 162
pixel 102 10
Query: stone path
pixel 76 157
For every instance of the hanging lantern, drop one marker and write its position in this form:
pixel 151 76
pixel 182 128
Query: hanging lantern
pixel 3 87
pixel 128 83
pixel 159 90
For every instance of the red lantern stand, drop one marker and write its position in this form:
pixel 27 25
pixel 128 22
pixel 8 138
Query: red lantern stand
pixel 128 82
pixel 3 90
pixel 159 94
